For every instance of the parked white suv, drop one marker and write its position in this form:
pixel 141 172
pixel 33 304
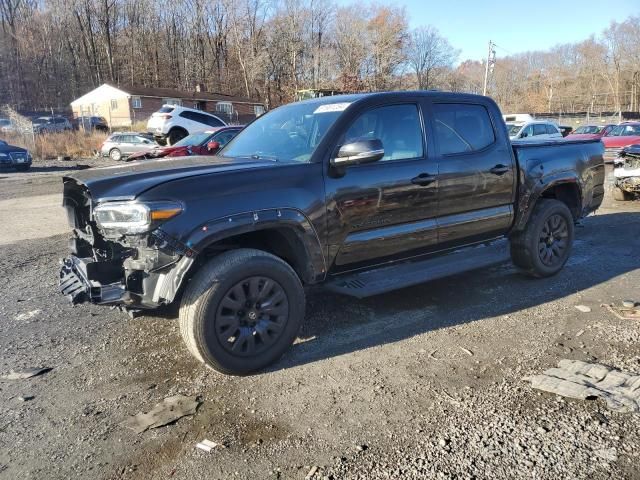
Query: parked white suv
pixel 172 123
pixel 535 130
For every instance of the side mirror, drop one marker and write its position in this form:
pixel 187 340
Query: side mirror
pixel 524 134
pixel 364 150
pixel 213 146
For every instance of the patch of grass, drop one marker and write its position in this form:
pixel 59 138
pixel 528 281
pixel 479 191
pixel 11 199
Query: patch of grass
pixel 74 144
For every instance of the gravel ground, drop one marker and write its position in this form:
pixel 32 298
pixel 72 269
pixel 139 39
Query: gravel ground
pixel 425 382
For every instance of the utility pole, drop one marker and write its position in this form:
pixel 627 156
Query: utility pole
pixel 491 61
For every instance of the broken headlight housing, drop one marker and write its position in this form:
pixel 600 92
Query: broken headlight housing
pixel 130 218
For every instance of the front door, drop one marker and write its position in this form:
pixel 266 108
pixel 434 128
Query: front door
pixel 386 209
pixel 476 174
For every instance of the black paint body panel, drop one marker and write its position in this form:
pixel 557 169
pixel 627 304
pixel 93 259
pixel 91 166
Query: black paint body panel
pixel 368 214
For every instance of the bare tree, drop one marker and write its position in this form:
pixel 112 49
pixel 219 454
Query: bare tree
pixel 429 55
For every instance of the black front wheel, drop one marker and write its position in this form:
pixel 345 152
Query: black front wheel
pixel 544 246
pixel 242 311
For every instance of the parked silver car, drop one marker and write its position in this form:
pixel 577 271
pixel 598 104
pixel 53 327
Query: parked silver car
pixel 50 124
pixel 120 145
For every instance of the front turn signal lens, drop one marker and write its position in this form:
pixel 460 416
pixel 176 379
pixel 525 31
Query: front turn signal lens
pixel 164 214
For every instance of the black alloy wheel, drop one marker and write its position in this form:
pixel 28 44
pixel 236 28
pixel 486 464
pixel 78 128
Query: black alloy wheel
pixel 553 241
pixel 252 316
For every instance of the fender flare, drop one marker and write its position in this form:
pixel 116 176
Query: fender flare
pixel 216 230
pixel 536 188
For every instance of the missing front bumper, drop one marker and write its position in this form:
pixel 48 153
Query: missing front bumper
pixel 76 285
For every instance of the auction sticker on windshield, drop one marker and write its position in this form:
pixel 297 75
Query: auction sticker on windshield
pixel 332 107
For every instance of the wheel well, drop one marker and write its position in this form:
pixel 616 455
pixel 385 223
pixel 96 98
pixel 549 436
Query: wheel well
pixel 177 129
pixel 568 194
pixel 284 243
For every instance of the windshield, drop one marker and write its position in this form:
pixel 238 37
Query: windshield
pixel 513 129
pixel 585 129
pixel 193 139
pixel 289 133
pixel 624 131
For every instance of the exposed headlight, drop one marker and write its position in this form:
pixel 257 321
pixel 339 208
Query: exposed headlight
pixel 133 217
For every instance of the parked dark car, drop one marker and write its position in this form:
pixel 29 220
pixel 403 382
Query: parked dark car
pixel 360 193
pixel 203 143
pixel 14 157
pixel 99 124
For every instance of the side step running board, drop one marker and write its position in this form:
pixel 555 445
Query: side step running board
pixel 385 279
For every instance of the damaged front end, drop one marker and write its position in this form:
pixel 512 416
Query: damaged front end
pixel 119 255
pixel 627 171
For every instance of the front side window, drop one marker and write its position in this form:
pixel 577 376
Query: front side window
pixel 290 133
pixel 527 132
pixel 397 126
pixel 461 128
pixel 539 129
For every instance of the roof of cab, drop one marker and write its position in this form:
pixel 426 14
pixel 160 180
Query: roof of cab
pixel 354 97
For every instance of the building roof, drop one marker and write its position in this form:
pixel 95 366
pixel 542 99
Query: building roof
pixel 174 93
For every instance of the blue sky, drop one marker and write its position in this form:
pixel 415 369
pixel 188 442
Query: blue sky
pixel 515 26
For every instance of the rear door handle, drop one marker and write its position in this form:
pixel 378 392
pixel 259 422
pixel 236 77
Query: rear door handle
pixel 499 169
pixel 423 179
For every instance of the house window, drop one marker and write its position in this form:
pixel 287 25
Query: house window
pixel 114 104
pixel 136 102
pixel 224 107
pixel 258 110
pixel 172 101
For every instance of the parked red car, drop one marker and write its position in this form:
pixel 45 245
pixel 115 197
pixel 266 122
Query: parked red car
pixel 202 143
pixel 590 132
pixel 622 135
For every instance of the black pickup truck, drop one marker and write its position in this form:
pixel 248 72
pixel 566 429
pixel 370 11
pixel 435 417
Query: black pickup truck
pixel 362 193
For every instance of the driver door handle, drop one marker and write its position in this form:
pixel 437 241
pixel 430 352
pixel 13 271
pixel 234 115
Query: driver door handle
pixel 499 169
pixel 424 179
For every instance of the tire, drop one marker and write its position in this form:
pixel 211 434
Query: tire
pixel 620 195
pixel 550 224
pixel 115 154
pixel 23 168
pixel 214 320
pixel 176 135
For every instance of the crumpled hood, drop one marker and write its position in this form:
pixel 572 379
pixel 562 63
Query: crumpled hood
pixel 126 182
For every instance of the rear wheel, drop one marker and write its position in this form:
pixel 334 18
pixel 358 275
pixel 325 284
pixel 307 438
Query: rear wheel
pixel 544 246
pixel 620 195
pixel 176 135
pixel 115 154
pixel 242 311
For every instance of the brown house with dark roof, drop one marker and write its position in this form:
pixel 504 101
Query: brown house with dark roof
pixel 125 105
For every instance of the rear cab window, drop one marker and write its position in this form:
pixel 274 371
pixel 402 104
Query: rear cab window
pixel 165 110
pixel 462 128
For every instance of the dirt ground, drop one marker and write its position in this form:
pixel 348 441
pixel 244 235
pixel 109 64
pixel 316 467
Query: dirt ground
pixel 425 382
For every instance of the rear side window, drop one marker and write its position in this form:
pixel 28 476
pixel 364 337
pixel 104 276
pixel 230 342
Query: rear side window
pixel 551 130
pixel 539 129
pixel 397 126
pixel 202 118
pixel 461 128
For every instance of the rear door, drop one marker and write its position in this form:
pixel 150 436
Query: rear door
pixel 385 209
pixel 476 173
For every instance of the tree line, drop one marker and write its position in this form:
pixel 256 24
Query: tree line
pixel 52 51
